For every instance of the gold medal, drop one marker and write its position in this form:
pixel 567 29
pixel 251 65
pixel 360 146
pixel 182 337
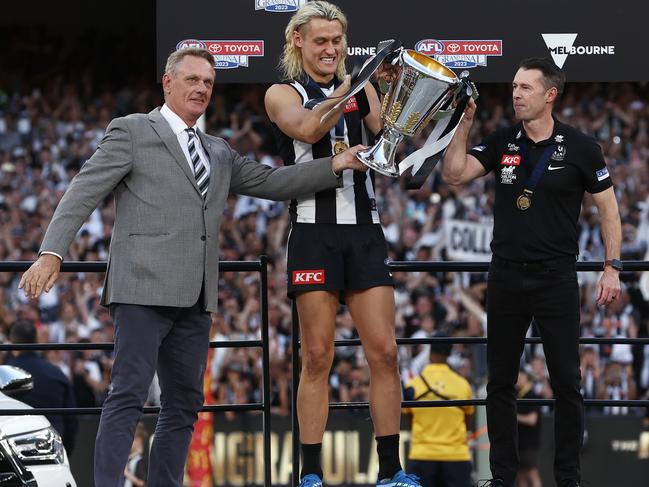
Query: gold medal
pixel 524 201
pixel 339 147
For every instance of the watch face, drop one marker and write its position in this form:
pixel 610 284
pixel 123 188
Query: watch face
pixel 615 264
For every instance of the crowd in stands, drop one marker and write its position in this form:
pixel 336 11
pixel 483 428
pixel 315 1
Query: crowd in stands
pixel 49 129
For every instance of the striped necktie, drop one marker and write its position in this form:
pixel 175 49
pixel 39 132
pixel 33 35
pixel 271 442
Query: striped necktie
pixel 200 171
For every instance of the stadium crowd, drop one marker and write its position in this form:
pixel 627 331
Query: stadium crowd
pixel 49 128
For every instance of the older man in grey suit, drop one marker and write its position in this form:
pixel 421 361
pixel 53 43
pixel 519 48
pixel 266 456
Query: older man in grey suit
pixel 170 183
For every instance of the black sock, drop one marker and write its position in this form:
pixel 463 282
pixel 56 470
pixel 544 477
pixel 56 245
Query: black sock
pixel 388 449
pixel 311 459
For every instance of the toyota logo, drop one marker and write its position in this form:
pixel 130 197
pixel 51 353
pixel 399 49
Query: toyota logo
pixel 453 47
pixel 215 48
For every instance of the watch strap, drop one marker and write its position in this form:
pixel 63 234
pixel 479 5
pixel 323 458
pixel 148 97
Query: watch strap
pixel 614 263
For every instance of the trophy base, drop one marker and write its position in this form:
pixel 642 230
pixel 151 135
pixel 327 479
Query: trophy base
pixel 380 157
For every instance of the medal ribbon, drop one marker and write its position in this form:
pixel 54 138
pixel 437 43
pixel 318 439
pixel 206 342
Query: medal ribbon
pixel 339 129
pixel 541 165
pixel 416 168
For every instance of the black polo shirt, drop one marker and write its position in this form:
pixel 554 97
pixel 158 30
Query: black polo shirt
pixel 548 228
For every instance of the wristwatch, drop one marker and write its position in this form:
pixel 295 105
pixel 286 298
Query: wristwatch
pixel 614 263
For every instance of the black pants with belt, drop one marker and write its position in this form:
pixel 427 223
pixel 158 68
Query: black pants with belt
pixel 548 292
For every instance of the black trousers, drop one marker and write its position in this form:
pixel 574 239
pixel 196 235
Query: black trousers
pixel 173 341
pixel 549 293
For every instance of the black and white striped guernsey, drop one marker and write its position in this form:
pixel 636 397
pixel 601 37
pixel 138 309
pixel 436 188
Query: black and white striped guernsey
pixel 354 202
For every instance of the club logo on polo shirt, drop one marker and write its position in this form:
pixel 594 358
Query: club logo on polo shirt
pixel 309 277
pixel 513 147
pixel 559 154
pixel 507 175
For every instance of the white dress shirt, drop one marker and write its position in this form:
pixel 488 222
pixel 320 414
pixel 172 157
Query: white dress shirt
pixel 178 127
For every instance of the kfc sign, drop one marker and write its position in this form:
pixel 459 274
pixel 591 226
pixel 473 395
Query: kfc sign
pixel 508 160
pixel 309 277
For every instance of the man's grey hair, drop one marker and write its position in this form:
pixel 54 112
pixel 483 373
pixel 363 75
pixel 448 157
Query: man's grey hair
pixel 177 56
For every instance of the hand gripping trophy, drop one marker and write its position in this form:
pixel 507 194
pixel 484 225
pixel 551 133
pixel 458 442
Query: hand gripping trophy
pixel 422 91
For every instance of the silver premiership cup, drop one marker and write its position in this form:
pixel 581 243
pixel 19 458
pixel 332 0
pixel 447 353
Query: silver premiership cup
pixel 422 88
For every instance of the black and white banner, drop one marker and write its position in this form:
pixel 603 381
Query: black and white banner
pixel 468 241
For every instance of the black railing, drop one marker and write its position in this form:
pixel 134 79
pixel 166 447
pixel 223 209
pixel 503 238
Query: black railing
pixel 425 266
pixel 260 266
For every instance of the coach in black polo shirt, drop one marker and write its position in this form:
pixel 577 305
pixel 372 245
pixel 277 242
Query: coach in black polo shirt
pixel 542 169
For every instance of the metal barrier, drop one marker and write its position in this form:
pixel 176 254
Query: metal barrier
pixel 422 266
pixel 260 266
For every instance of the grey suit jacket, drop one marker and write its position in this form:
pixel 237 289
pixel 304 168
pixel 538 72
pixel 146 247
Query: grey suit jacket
pixel 165 246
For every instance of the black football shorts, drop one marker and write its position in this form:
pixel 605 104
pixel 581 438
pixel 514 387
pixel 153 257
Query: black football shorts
pixel 330 257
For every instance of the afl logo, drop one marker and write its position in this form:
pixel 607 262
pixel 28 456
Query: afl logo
pixel 429 47
pixel 190 43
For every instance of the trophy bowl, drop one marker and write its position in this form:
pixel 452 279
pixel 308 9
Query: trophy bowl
pixel 422 88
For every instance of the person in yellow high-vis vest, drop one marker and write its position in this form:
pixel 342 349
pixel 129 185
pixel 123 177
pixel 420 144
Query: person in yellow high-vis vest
pixel 439 450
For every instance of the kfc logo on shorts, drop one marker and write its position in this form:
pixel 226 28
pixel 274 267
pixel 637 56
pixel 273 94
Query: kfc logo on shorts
pixel 351 105
pixel 309 277
pixel 511 160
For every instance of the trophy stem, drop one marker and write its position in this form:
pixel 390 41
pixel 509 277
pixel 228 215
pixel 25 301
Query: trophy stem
pixel 381 156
